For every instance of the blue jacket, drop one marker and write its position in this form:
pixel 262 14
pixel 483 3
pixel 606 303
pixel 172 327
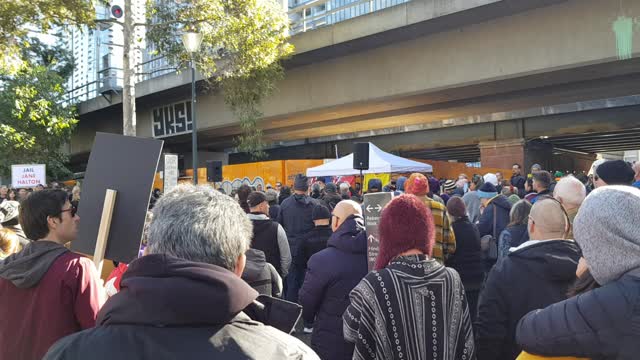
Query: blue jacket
pixel 600 324
pixel 502 208
pixel 331 275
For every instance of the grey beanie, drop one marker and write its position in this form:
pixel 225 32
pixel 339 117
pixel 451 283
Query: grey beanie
pixel 606 232
pixel 271 195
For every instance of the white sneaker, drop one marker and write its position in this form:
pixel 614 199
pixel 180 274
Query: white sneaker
pixel 307 330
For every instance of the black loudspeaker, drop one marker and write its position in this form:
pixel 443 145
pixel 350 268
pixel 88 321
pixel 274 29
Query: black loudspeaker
pixel 361 156
pixel 214 170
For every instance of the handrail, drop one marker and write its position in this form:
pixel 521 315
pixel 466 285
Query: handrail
pixel 307 5
pixel 301 22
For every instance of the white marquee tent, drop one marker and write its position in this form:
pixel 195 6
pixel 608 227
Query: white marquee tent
pixel 379 162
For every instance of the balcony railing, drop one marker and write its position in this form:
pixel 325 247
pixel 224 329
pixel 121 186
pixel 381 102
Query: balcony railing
pixel 318 13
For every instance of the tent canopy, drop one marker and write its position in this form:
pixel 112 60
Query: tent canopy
pixel 379 162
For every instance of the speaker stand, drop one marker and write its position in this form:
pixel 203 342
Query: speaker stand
pixel 361 183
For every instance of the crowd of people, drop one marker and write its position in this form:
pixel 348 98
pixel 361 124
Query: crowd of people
pixel 536 266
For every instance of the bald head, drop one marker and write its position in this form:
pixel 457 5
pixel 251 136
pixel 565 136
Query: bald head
pixel 547 221
pixel 570 192
pixel 343 210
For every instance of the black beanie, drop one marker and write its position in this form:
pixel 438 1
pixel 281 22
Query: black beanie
pixel 616 172
pixel 301 183
pixel 320 212
pixel 256 198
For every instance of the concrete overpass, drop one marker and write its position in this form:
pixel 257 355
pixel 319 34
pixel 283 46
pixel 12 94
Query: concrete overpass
pixel 484 78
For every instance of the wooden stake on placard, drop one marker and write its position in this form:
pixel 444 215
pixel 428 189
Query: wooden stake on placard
pixel 103 230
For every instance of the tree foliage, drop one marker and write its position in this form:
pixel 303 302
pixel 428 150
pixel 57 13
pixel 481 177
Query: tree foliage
pixel 35 123
pixel 243 43
pixel 18 17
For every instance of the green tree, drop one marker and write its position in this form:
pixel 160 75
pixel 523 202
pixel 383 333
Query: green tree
pixel 243 44
pixel 19 17
pixel 35 123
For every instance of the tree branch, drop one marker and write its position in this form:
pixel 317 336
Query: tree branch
pixel 148 25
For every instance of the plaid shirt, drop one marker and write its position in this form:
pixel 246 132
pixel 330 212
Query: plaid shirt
pixel 445 244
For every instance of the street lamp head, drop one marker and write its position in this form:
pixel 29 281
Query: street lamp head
pixel 191 41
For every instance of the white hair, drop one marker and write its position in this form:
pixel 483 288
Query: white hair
pixel 198 223
pixel 344 186
pixel 570 190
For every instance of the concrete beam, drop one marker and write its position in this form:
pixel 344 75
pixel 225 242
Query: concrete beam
pixel 423 78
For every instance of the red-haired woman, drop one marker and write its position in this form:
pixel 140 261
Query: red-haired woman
pixel 411 306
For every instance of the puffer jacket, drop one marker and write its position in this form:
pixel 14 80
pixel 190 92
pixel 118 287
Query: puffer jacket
pixel 600 324
pixel 534 276
pixel 331 274
pixel 261 275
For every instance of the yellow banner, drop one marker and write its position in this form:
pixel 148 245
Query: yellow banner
pixel 385 178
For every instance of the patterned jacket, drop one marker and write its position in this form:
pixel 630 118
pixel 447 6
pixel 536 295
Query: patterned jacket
pixel 445 244
pixel 414 309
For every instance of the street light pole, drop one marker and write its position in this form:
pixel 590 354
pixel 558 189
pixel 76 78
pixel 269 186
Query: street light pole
pixel 194 124
pixel 191 42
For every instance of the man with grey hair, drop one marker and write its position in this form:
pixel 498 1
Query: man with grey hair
pixel 344 191
pixel 185 298
pixel 571 193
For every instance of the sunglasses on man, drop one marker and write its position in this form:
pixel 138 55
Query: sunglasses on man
pixel 73 210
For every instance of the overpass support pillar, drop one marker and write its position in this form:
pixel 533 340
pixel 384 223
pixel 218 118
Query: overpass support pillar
pixel 502 154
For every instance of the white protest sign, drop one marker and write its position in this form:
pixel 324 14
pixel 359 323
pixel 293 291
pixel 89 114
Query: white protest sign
pixel 170 171
pixel 28 176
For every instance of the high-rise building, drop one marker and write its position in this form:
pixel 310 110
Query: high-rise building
pixel 98 53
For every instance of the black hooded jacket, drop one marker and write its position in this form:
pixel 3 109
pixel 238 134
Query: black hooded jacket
pixel 532 277
pixel 169 308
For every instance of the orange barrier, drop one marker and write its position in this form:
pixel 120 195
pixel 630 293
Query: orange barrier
pixel 269 172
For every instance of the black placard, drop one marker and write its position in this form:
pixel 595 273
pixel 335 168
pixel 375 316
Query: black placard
pixel 126 164
pixel 373 205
